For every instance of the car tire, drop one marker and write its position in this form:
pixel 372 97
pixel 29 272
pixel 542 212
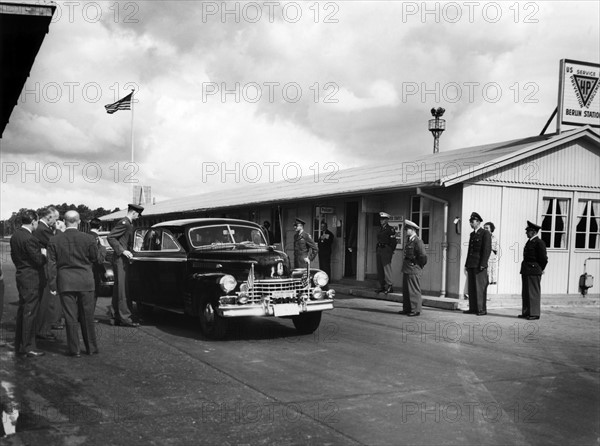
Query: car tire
pixel 212 325
pixel 307 323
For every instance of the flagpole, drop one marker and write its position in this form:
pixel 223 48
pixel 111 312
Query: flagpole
pixel 132 146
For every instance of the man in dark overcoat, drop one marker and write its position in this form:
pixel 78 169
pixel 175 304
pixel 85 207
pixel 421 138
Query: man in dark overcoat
pixel 27 255
pixel 415 259
pixel 386 244
pixel 480 248
pixel 50 310
pixel 71 255
pixel 305 249
pixel 121 241
pixel 534 262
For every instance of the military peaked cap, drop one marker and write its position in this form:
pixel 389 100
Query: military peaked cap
pixel 533 226
pixel 475 216
pixel 135 207
pixel 410 224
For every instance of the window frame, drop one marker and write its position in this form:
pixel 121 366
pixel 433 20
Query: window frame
pixel 589 203
pixel 423 203
pixel 564 214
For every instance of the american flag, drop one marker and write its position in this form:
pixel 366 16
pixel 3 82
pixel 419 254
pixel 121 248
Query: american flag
pixel 121 104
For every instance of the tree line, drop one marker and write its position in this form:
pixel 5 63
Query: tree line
pixel 8 226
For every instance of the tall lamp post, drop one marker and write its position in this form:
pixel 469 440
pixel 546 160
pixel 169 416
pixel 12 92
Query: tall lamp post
pixel 437 126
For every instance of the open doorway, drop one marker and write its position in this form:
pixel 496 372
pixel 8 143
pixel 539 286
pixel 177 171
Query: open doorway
pixel 350 239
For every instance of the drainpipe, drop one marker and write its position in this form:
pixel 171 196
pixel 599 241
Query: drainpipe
pixel 444 238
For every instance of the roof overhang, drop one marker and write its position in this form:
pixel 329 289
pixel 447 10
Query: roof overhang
pixel 23 26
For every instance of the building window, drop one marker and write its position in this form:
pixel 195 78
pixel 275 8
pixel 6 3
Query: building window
pixel 587 231
pixel 555 222
pixel 419 214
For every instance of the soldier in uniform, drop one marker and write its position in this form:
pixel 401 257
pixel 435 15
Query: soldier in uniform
pixel 414 261
pixel 325 244
pixel 534 262
pixel 121 240
pixel 305 249
pixel 386 244
pixel 480 248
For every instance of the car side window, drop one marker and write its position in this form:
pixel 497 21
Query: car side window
pixel 168 242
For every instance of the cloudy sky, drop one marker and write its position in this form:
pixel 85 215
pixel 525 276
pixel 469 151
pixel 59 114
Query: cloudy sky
pixel 232 93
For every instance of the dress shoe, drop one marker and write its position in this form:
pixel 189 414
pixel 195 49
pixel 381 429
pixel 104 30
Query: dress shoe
pixel 389 289
pixel 413 313
pixel 522 316
pixel 34 354
pixel 74 355
pixel 403 312
pixel 532 318
pixel 46 337
pixel 93 352
pixel 127 324
pixel 482 313
pixel 468 312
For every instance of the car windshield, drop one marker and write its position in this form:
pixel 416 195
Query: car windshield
pixel 226 235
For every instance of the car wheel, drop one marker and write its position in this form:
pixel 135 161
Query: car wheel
pixel 307 323
pixel 212 325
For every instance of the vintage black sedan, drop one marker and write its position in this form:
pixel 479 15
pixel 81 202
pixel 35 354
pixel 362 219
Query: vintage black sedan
pixel 218 269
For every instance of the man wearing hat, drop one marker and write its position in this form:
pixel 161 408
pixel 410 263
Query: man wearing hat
pixel 480 248
pixel 305 249
pixel 121 240
pixel 412 266
pixel 386 244
pixel 534 262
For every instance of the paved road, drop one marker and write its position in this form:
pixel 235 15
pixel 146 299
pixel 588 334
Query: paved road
pixel 367 376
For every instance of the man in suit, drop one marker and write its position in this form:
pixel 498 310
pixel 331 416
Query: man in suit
pixel 29 258
pixel 50 309
pixel 480 248
pixel 121 240
pixel 415 259
pixel 325 244
pixel 305 249
pixel 71 255
pixel 534 262
pixel 386 244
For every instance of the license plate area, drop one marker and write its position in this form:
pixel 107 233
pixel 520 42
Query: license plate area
pixel 283 295
pixel 285 310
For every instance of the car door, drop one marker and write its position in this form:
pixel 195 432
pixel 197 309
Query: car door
pixel 143 281
pixel 171 271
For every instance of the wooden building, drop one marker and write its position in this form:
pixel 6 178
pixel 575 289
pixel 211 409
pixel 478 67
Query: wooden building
pixel 553 180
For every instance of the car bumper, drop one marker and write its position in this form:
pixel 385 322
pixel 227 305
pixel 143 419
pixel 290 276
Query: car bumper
pixel 277 310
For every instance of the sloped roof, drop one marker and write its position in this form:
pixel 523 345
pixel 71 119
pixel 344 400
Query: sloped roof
pixel 435 169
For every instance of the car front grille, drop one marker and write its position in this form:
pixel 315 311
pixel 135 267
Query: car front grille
pixel 277 290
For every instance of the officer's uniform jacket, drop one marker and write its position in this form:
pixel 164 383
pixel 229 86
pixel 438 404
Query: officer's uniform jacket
pixel 121 237
pixel 414 256
pixel 535 257
pixel 480 248
pixel 304 246
pixel 386 243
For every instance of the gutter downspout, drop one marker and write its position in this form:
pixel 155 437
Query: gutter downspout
pixel 444 238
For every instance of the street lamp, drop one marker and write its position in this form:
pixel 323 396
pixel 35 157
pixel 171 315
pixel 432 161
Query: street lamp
pixel 437 126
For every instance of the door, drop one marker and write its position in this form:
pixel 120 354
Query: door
pixel 350 226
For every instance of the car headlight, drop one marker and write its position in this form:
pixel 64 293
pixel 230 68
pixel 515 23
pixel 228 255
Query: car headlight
pixel 321 279
pixel 227 283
